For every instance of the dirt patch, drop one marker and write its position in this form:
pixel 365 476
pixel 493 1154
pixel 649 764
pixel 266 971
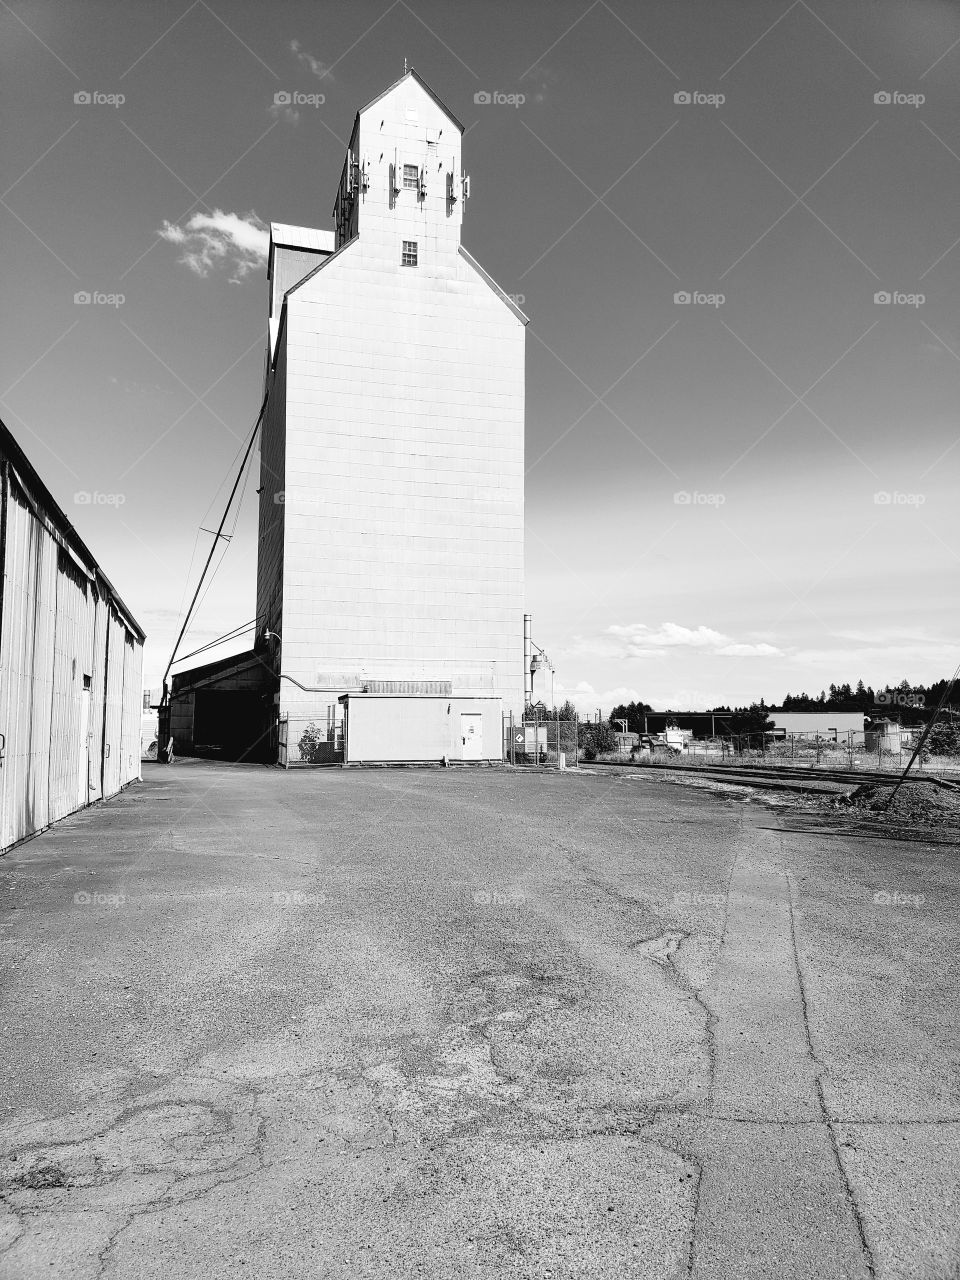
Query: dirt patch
pixel 42 1177
pixel 915 804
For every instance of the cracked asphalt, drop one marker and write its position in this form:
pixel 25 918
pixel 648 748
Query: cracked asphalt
pixel 472 1024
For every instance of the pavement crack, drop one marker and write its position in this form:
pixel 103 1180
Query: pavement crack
pixel 662 951
pixel 851 1199
pixel 865 1248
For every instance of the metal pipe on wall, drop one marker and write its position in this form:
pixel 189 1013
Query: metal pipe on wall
pixel 527 660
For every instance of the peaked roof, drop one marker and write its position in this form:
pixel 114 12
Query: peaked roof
pixel 415 75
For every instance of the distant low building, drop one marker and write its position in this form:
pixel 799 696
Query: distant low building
pixel 831 725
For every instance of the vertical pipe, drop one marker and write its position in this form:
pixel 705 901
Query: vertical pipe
pixel 527 659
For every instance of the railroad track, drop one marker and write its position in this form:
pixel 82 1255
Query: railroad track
pixel 785 777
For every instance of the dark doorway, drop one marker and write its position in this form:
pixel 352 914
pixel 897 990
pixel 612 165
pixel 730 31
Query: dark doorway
pixel 229 725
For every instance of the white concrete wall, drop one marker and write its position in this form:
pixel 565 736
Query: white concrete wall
pixel 404 416
pixel 821 722
pixel 391 729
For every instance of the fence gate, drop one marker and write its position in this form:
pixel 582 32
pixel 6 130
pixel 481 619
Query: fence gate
pixel 540 742
pixel 283 728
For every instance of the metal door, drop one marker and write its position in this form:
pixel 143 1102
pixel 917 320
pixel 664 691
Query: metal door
pixel 471 735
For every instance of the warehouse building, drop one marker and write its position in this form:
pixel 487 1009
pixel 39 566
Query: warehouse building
pixel 833 726
pixel 71 658
pixel 391 485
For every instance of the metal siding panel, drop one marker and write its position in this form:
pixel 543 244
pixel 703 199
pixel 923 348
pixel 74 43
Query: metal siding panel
pixel 26 671
pixel 132 704
pixel 73 644
pixel 98 696
pixel 114 706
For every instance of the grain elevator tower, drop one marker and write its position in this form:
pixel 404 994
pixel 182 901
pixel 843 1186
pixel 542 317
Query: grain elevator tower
pixel 391 491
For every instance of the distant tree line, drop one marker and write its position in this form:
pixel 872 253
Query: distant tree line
pixel 840 697
pixel 756 718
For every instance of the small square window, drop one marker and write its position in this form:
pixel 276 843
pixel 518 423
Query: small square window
pixel 411 177
pixel 408 254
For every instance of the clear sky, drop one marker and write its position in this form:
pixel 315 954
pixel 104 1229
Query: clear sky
pixel 746 494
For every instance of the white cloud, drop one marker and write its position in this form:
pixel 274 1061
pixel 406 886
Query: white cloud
pixel 290 115
pixel 681 700
pixel 750 651
pixel 586 699
pixel 638 640
pixel 237 242
pixel 882 660
pixel 319 69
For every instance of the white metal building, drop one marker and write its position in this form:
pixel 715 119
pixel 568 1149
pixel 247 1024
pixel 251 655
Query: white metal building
pixel 391 480
pixel 832 725
pixel 70 663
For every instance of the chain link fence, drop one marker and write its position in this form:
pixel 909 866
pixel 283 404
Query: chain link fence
pixel 850 750
pixel 304 741
pixel 550 743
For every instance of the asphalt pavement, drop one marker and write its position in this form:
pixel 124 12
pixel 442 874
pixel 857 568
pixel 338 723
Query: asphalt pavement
pixel 475 1023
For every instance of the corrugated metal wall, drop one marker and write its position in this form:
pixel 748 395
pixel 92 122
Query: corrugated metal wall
pixel 132 708
pixel 70 677
pixel 98 704
pixel 114 707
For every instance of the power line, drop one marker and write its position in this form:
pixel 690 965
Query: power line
pixel 923 737
pixel 216 540
pixel 227 538
pixel 212 644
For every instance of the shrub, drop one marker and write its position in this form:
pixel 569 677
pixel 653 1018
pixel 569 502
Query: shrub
pixel 313 745
pixel 944 738
pixel 597 739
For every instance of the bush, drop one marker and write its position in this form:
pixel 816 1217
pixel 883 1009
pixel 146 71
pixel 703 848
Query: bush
pixel 943 739
pixel 596 739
